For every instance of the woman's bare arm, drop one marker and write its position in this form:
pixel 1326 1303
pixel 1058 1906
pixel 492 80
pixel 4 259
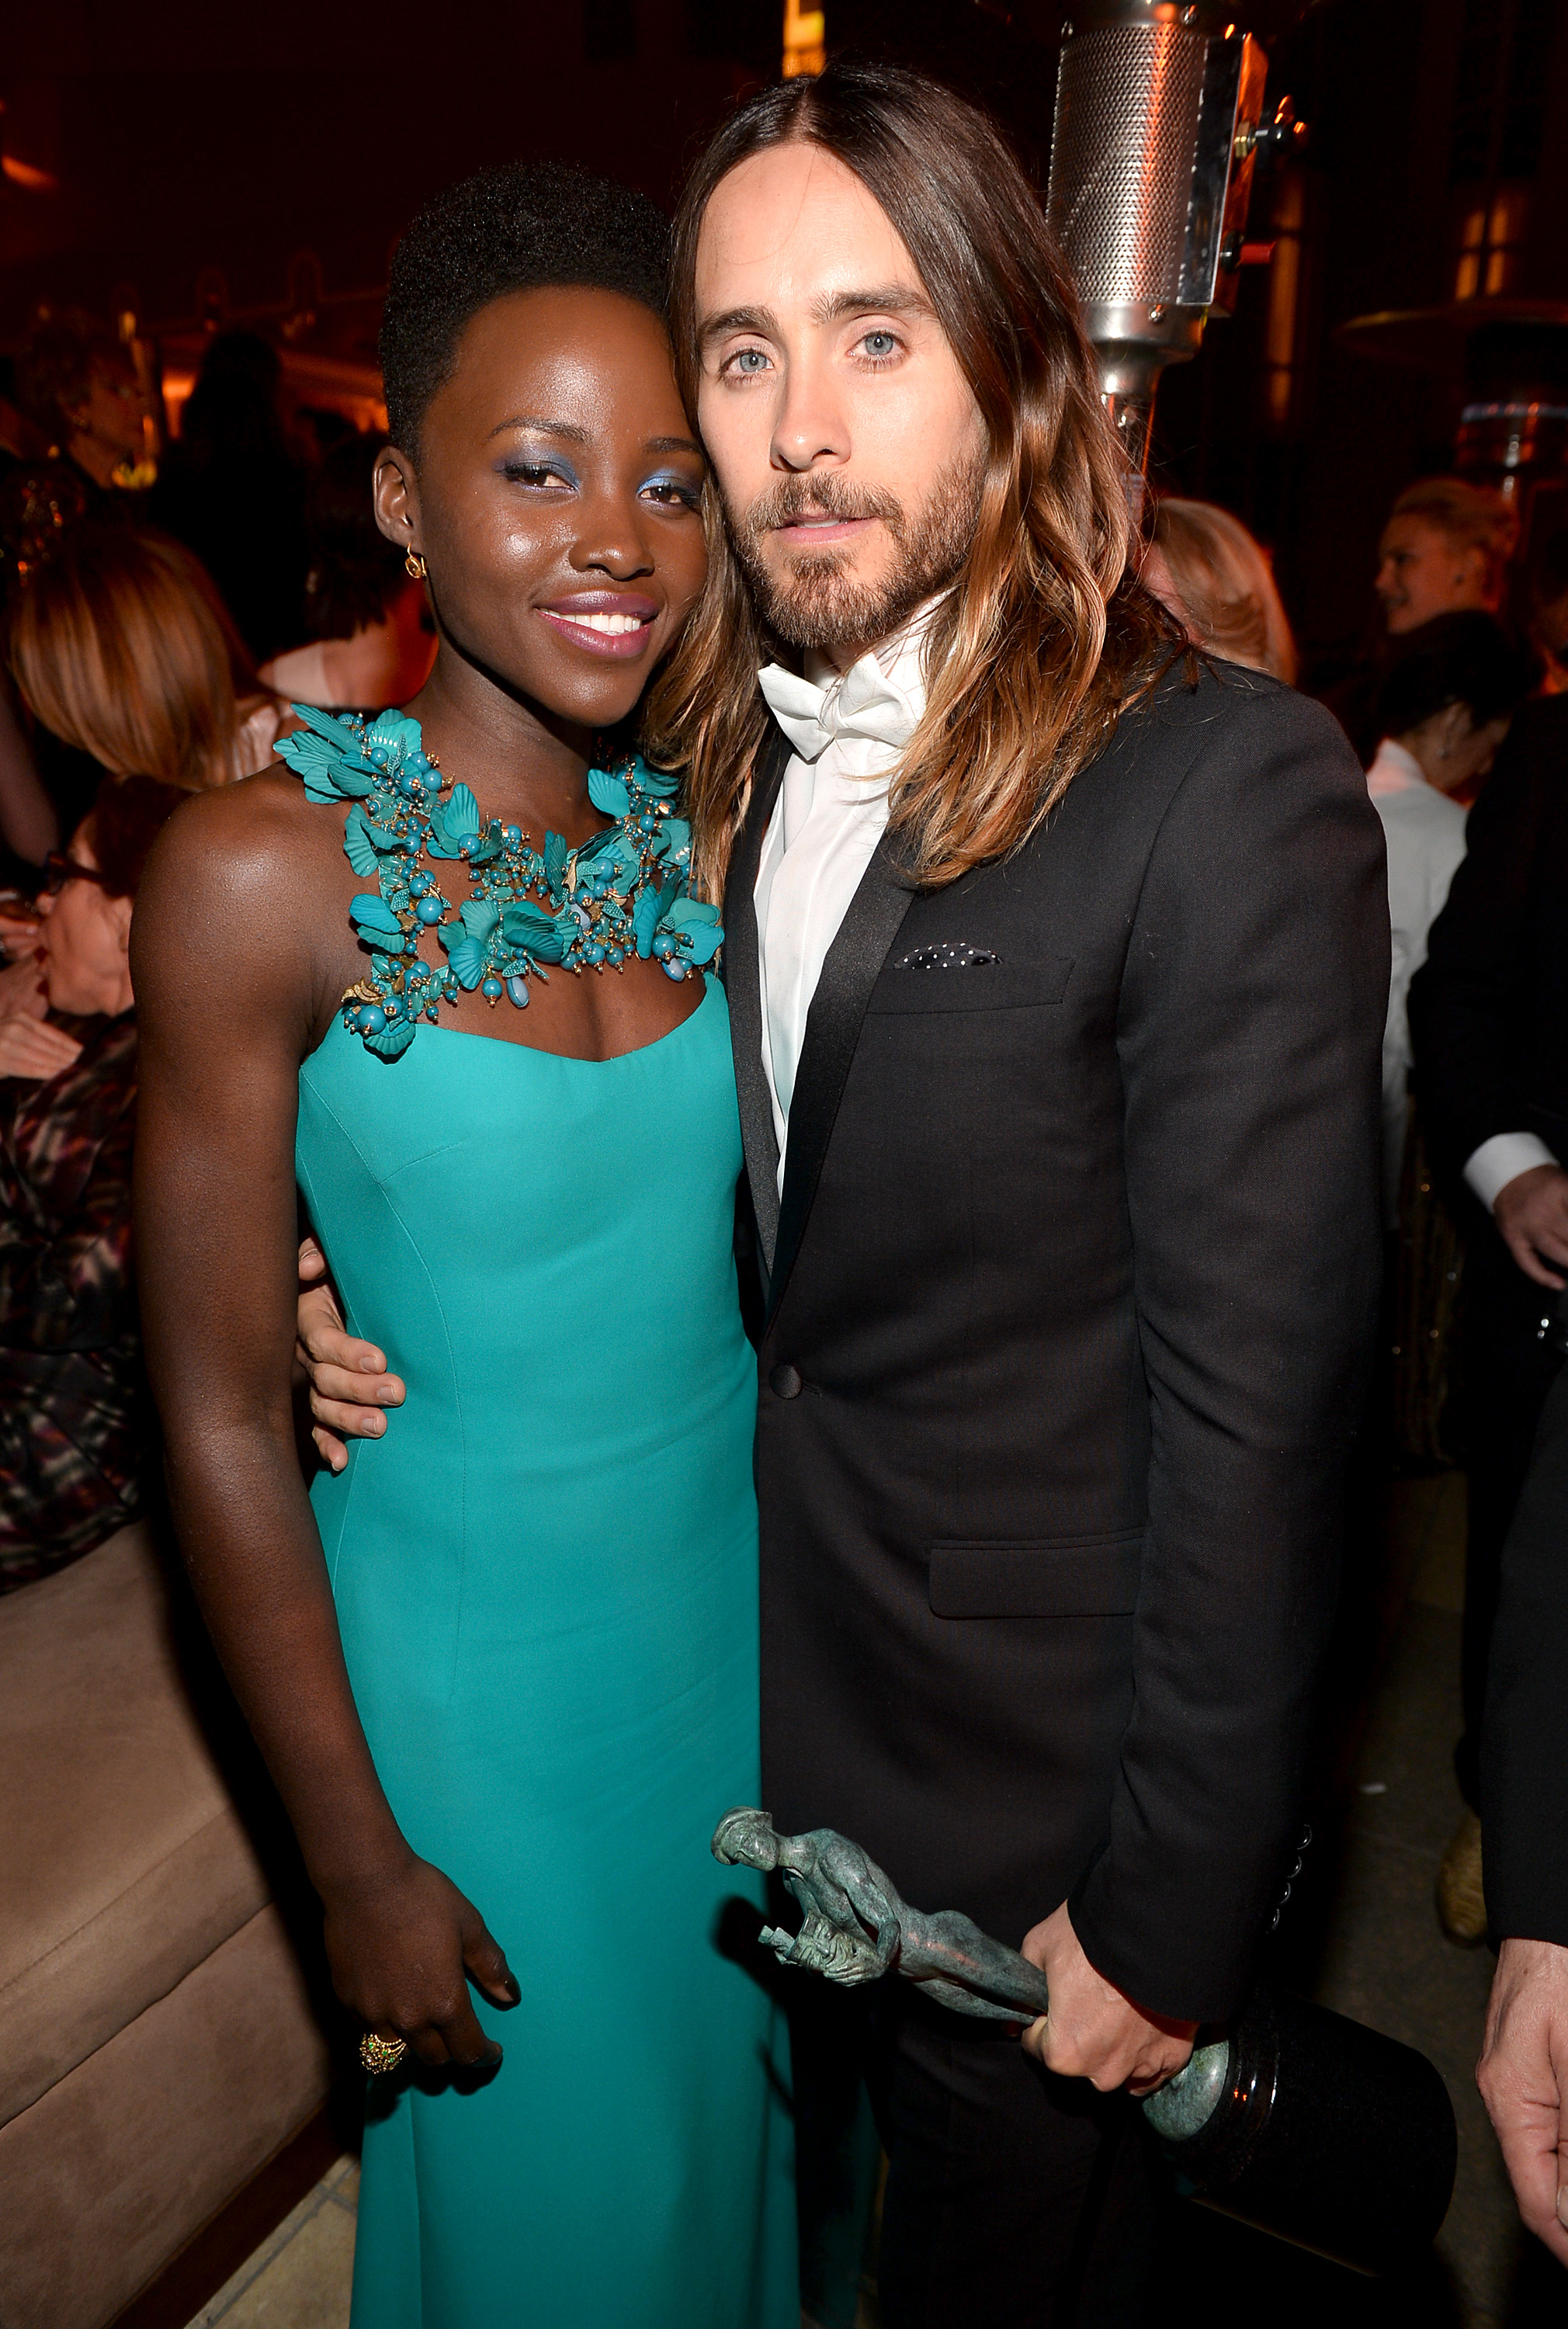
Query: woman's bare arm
pixel 226 973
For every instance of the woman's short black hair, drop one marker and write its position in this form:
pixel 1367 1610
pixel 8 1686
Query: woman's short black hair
pixel 529 227
pixel 1462 658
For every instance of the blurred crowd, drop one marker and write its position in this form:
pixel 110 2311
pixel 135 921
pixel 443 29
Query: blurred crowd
pixel 160 620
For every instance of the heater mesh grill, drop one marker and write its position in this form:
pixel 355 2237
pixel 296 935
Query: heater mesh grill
pixel 1123 157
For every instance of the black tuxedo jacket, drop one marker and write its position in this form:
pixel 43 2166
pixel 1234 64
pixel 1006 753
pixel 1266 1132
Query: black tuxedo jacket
pixel 1066 1309
pixel 1488 1009
pixel 1525 1746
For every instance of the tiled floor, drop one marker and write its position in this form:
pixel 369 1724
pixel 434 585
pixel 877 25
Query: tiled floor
pixel 299 2278
pixel 1387 1962
pixel 1382 1960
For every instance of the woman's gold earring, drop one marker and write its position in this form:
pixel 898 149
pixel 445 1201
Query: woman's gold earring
pixel 414 559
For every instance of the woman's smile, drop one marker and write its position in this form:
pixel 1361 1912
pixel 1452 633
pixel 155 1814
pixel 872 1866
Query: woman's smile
pixel 618 623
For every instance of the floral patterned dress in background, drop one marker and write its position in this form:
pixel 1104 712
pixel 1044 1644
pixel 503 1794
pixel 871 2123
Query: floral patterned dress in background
pixel 75 1429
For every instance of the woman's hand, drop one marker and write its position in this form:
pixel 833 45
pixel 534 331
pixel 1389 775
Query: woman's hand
pixel 18 932
pixel 33 1049
pixel 23 991
pixel 349 1383
pixel 403 1947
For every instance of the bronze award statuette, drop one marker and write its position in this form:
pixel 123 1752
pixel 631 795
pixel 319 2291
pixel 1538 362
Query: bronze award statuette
pixel 1300 2122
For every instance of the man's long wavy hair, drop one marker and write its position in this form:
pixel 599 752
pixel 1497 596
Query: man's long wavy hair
pixel 1047 634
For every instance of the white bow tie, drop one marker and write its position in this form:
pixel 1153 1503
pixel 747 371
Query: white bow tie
pixel 864 705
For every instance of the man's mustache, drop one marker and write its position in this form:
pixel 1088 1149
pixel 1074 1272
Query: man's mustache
pixel 825 496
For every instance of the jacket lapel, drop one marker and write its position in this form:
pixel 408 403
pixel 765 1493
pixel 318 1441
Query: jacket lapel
pixel 853 964
pixel 743 985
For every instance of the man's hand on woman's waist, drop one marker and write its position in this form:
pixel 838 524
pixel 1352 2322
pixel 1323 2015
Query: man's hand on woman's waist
pixel 348 1378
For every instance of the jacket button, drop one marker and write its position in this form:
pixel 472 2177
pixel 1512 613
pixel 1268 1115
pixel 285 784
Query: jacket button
pixel 785 1382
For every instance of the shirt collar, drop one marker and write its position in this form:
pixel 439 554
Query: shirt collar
pixel 880 700
pixel 1393 769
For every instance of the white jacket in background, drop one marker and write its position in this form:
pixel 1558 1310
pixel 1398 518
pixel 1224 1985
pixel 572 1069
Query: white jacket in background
pixel 1425 833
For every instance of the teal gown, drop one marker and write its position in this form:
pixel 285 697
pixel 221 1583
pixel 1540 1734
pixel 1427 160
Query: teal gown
pixel 546 1582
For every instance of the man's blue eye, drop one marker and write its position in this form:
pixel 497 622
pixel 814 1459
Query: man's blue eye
pixel 880 343
pixel 750 359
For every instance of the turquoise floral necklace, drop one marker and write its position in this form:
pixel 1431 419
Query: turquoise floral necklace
pixel 622 893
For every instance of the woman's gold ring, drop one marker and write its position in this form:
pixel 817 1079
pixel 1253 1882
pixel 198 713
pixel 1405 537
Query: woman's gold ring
pixel 380 2054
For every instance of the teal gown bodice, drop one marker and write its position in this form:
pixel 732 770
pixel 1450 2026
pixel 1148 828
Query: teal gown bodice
pixel 546 1582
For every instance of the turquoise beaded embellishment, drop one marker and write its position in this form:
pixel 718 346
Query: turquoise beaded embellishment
pixel 623 892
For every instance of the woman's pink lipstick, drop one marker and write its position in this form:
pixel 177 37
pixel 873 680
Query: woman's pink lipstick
pixel 614 623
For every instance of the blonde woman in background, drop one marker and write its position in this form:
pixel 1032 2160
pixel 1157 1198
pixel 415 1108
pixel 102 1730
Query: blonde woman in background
pixel 1206 567
pixel 1445 550
pixel 123 649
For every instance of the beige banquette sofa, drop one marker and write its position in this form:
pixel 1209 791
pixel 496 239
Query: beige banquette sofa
pixel 158 2042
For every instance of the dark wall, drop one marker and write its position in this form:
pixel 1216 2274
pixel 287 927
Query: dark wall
pixel 1414 106
pixel 237 138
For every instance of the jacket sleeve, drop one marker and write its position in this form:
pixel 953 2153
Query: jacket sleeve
pixel 1250 1034
pixel 1470 1003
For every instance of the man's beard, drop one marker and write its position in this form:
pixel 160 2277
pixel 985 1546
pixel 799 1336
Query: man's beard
pixel 815 601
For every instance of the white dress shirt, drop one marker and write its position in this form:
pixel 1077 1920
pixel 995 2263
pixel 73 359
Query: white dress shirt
pixel 1425 834
pixel 1502 1159
pixel 1422 856
pixel 831 813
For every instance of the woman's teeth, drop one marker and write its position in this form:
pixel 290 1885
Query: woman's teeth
pixel 611 624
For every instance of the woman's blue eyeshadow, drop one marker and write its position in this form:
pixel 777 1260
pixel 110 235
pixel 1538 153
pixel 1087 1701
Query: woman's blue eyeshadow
pixel 554 464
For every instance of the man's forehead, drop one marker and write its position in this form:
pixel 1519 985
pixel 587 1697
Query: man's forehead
pixel 793 225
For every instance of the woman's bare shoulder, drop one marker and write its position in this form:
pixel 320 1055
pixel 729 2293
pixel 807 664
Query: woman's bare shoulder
pixel 260 830
pixel 252 875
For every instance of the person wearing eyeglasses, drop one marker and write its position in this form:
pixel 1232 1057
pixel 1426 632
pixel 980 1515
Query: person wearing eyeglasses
pixel 85 971
pixel 72 1418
